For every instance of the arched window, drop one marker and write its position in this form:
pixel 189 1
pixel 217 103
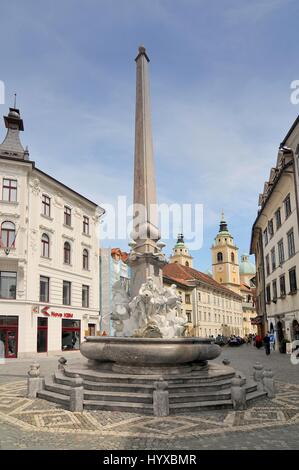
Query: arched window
pixel 219 257
pixel 8 234
pixel 67 253
pixel 45 245
pixel 85 259
pixel 187 264
pixel 232 257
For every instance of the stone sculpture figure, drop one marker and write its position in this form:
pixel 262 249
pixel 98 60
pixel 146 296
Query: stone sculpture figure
pixel 152 313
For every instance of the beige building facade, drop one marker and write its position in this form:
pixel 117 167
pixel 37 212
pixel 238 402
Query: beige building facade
pixel 212 308
pixel 275 243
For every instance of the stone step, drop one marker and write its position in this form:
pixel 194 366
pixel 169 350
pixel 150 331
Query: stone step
pixel 198 387
pixel 54 397
pixel 215 395
pixel 255 395
pixel 191 407
pixel 136 388
pixel 142 408
pixel 117 387
pixel 106 377
pixel 118 396
pixel 57 387
pixel 62 379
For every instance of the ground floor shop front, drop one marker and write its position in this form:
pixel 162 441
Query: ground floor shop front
pixel 285 327
pixel 26 329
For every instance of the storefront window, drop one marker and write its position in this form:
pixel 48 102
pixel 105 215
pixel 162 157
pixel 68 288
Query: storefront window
pixel 9 336
pixel 70 335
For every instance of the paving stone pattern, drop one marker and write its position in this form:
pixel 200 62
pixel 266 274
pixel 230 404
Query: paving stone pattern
pixel 38 424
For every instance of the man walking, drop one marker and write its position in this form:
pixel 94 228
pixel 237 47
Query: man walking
pixel 267 344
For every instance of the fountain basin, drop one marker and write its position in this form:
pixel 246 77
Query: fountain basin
pixel 161 352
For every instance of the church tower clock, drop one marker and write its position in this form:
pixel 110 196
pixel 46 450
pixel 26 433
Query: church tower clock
pixel 225 258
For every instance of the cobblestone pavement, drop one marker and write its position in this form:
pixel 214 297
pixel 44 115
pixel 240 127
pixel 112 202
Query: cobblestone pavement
pixel 266 424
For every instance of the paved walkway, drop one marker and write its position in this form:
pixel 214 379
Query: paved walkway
pixel 37 424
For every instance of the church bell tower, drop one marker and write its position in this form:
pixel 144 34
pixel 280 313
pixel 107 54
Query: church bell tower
pixel 225 258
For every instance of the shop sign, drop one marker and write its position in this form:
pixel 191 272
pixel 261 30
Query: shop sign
pixel 47 313
pixel 256 320
pixel 35 309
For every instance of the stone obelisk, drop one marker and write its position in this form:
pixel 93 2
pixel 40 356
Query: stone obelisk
pixel 146 259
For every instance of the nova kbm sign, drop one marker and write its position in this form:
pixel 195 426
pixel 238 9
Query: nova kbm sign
pixel 45 311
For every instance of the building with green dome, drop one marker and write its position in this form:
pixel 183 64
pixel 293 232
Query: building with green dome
pixel 247 270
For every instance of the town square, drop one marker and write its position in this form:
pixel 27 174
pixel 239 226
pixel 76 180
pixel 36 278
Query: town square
pixel 149 231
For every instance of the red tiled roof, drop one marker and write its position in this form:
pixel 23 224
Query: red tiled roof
pixel 188 276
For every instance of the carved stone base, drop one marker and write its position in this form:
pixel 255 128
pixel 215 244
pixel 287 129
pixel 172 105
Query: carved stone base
pixel 155 370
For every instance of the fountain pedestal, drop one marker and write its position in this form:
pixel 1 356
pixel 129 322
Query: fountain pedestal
pixel 152 356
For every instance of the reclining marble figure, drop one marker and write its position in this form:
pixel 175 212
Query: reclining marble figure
pixel 154 312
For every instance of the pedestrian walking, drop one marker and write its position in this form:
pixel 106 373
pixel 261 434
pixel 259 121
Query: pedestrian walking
pixel 266 342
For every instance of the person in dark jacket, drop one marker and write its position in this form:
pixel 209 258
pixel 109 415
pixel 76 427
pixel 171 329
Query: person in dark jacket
pixel 266 341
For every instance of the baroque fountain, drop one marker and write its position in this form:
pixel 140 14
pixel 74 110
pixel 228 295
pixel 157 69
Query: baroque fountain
pixel 150 365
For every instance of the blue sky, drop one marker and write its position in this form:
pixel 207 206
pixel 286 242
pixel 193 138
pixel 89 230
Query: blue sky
pixel 220 89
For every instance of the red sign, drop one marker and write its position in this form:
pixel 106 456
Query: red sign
pixel 256 320
pixel 44 310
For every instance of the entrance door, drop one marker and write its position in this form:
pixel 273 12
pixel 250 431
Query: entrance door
pixel 280 335
pixel 9 336
pixel 42 334
pixel 11 343
pixel 91 329
pixel 295 330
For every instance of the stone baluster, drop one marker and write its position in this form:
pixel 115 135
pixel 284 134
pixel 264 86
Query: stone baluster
pixel 238 393
pixel 258 369
pixel 268 383
pixel 77 394
pixel 161 398
pixel 34 381
pixel 62 364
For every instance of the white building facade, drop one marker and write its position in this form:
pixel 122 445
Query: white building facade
pixel 49 256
